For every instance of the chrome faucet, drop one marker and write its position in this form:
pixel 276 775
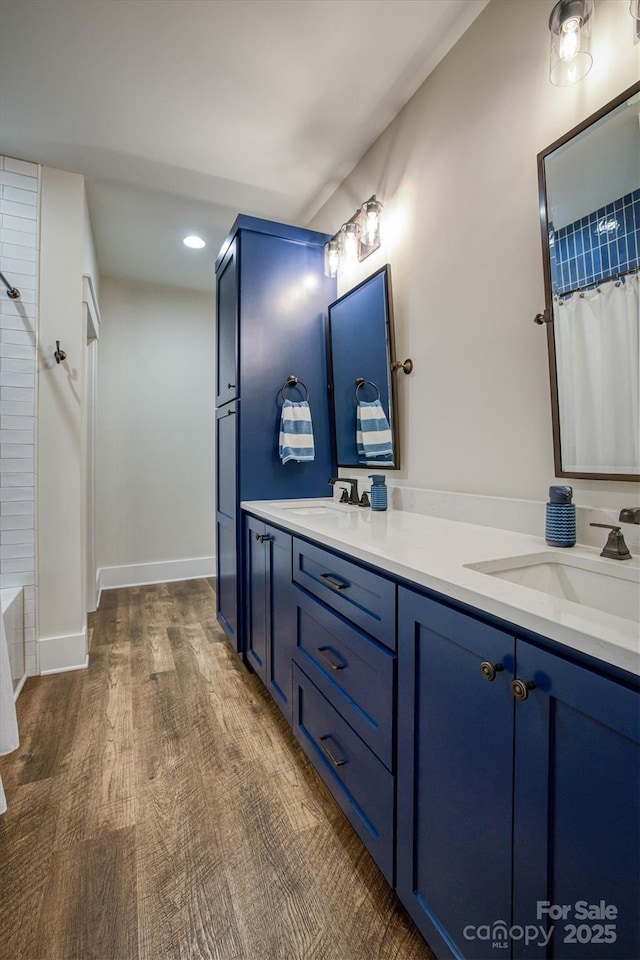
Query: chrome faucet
pixel 346 497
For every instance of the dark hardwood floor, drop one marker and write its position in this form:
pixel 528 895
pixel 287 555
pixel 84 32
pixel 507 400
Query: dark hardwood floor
pixel 159 807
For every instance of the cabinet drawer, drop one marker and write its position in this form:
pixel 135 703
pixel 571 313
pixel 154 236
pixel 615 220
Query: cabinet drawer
pixel 366 598
pixel 354 673
pixel 360 783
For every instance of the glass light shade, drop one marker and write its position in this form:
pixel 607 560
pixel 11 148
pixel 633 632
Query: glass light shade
pixel 332 257
pixel 370 227
pixel 634 9
pixel 570 26
pixel 349 236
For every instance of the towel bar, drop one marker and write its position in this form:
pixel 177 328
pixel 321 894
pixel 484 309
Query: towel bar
pixel 292 381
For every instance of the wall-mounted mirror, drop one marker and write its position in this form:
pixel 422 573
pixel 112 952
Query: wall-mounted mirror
pixel 590 217
pixel 362 350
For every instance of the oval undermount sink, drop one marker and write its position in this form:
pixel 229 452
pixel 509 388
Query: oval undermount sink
pixel 311 509
pixel 606 585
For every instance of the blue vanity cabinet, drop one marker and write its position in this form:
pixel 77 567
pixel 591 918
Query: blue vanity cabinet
pixel 272 300
pixel 270 609
pixel 505 804
pixel 577 809
pixel 455 773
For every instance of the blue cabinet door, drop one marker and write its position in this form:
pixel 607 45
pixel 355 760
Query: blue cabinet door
pixel 256 558
pixel 455 775
pixel 227 327
pixel 283 301
pixel 227 579
pixel 270 613
pixel 282 620
pixel 227 583
pixel 577 810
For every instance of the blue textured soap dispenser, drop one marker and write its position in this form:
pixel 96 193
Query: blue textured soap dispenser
pixel 378 491
pixel 560 527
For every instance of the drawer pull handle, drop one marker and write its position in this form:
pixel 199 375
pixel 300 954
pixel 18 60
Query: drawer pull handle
pixel 333 582
pixel 334 663
pixel 336 761
pixel 489 670
pixel 521 689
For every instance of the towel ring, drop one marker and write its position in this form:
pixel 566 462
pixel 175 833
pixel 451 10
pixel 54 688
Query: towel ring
pixel 361 382
pixel 292 381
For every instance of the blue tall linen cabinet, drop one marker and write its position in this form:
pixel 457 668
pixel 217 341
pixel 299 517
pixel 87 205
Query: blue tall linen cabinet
pixel 271 305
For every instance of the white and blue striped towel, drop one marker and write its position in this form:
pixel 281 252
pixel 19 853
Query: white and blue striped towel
pixel 296 432
pixel 373 436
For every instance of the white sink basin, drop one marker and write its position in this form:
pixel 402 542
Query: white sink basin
pixel 311 509
pixel 606 585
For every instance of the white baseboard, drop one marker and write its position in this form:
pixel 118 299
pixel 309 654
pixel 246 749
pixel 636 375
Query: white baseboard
pixel 145 574
pixel 59 654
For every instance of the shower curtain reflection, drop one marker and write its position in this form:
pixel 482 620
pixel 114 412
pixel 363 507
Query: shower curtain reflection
pixel 598 364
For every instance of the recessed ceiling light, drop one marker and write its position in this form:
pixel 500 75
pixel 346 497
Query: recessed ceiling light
pixel 196 243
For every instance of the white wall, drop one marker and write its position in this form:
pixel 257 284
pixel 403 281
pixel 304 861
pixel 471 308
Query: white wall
pixel 60 496
pixel 456 171
pixel 155 434
pixel 19 245
pixel 90 260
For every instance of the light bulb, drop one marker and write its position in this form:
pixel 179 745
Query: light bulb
pixel 349 243
pixel 196 243
pixel 371 227
pixel 570 27
pixel 332 257
pixel 570 40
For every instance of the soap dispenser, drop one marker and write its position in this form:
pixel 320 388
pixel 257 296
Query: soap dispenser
pixel 560 527
pixel 378 491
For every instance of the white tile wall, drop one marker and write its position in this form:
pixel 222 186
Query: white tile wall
pixel 19 261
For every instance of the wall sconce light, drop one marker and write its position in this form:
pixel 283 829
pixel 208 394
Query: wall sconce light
pixel 370 224
pixel 332 257
pixel 356 239
pixel 350 242
pixel 570 26
pixel 634 10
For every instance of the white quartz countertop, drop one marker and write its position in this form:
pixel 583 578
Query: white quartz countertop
pixel 434 553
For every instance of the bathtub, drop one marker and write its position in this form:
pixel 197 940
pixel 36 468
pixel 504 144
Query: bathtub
pixel 12 603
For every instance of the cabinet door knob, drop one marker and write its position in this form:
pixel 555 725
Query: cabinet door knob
pixel 262 537
pixel 231 386
pixel 520 688
pixel 489 670
pixel 336 761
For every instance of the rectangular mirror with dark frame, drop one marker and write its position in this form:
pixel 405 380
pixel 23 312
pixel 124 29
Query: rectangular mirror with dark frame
pixel 365 416
pixel 589 183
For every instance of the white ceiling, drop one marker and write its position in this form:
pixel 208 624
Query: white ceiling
pixel 182 113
